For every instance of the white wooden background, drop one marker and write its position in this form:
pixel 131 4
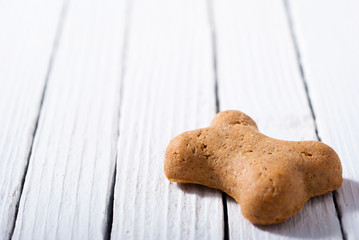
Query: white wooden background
pixel 91 92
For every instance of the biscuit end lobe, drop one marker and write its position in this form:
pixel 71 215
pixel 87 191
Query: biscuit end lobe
pixel 272 198
pixel 177 158
pixel 231 117
pixel 322 168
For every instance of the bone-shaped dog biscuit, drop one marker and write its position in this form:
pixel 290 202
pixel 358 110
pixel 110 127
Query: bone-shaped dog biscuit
pixel 271 179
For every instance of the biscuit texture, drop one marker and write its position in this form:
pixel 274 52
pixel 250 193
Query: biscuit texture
pixel 271 179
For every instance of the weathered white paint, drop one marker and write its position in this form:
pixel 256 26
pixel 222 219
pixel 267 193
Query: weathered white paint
pixel 27 35
pixel 168 88
pixel 258 73
pixel 68 184
pixel 328 36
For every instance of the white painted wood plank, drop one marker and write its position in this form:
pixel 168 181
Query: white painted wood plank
pixel 258 74
pixel 168 89
pixel 330 55
pixel 68 184
pixel 27 35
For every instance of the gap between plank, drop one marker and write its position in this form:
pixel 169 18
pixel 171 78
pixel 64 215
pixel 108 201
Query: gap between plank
pixel 110 205
pixel 214 52
pixel 225 211
pixel 51 61
pixel 121 91
pixel 305 84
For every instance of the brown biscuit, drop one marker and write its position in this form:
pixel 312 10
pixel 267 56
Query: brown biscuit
pixel 271 179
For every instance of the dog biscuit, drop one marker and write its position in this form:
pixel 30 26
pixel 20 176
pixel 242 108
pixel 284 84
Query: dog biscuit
pixel 271 179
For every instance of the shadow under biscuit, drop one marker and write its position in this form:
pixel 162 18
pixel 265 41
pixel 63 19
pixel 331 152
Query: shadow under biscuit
pixel 351 202
pixel 200 190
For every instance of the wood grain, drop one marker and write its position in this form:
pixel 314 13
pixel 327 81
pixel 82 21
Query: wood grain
pixel 258 74
pixel 68 185
pixel 168 88
pixel 121 78
pixel 27 36
pixel 330 57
